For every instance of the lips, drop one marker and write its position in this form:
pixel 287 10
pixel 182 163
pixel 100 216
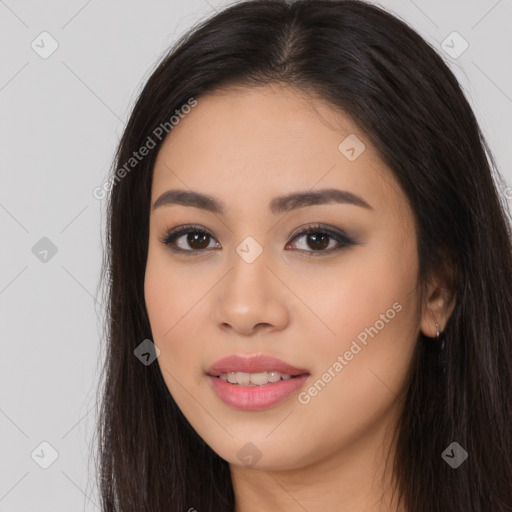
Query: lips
pixel 229 378
pixel 253 364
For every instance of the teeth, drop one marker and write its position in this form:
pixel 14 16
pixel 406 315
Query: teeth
pixel 253 379
pixel 273 376
pixel 242 378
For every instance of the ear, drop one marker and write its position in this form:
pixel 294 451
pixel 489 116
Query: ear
pixel 437 307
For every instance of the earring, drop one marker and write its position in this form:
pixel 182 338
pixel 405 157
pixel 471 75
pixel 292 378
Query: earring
pixel 441 360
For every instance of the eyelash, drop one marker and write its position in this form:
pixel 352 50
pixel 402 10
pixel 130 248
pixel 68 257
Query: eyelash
pixel 173 234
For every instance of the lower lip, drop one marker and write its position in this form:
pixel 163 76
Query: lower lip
pixel 255 398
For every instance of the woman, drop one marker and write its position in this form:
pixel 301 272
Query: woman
pixel 309 265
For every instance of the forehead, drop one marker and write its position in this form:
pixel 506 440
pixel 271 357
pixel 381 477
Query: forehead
pixel 250 144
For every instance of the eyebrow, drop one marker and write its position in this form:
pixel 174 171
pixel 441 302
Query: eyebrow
pixel 277 205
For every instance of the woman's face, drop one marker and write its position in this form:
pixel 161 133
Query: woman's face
pixel 339 305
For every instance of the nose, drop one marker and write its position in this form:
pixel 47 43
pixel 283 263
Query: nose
pixel 251 299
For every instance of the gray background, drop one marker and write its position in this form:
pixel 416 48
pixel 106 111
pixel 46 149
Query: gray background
pixel 61 118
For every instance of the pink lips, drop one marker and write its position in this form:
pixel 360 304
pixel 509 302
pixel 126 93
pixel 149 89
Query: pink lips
pixel 251 398
pixel 254 364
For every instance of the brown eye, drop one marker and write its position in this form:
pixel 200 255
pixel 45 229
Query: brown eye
pixel 188 239
pixel 197 240
pixel 320 240
pixel 317 241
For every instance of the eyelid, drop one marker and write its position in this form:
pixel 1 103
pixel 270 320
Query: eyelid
pixel 319 228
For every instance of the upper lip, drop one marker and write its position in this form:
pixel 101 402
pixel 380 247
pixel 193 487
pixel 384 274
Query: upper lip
pixel 252 364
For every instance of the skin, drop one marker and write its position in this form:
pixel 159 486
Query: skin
pixel 245 146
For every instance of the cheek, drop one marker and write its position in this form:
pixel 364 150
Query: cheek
pixel 160 297
pixel 367 290
pixel 167 293
pixel 371 311
pixel 350 396
pixel 176 314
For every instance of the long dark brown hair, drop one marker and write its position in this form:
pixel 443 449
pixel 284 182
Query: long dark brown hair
pixel 397 88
